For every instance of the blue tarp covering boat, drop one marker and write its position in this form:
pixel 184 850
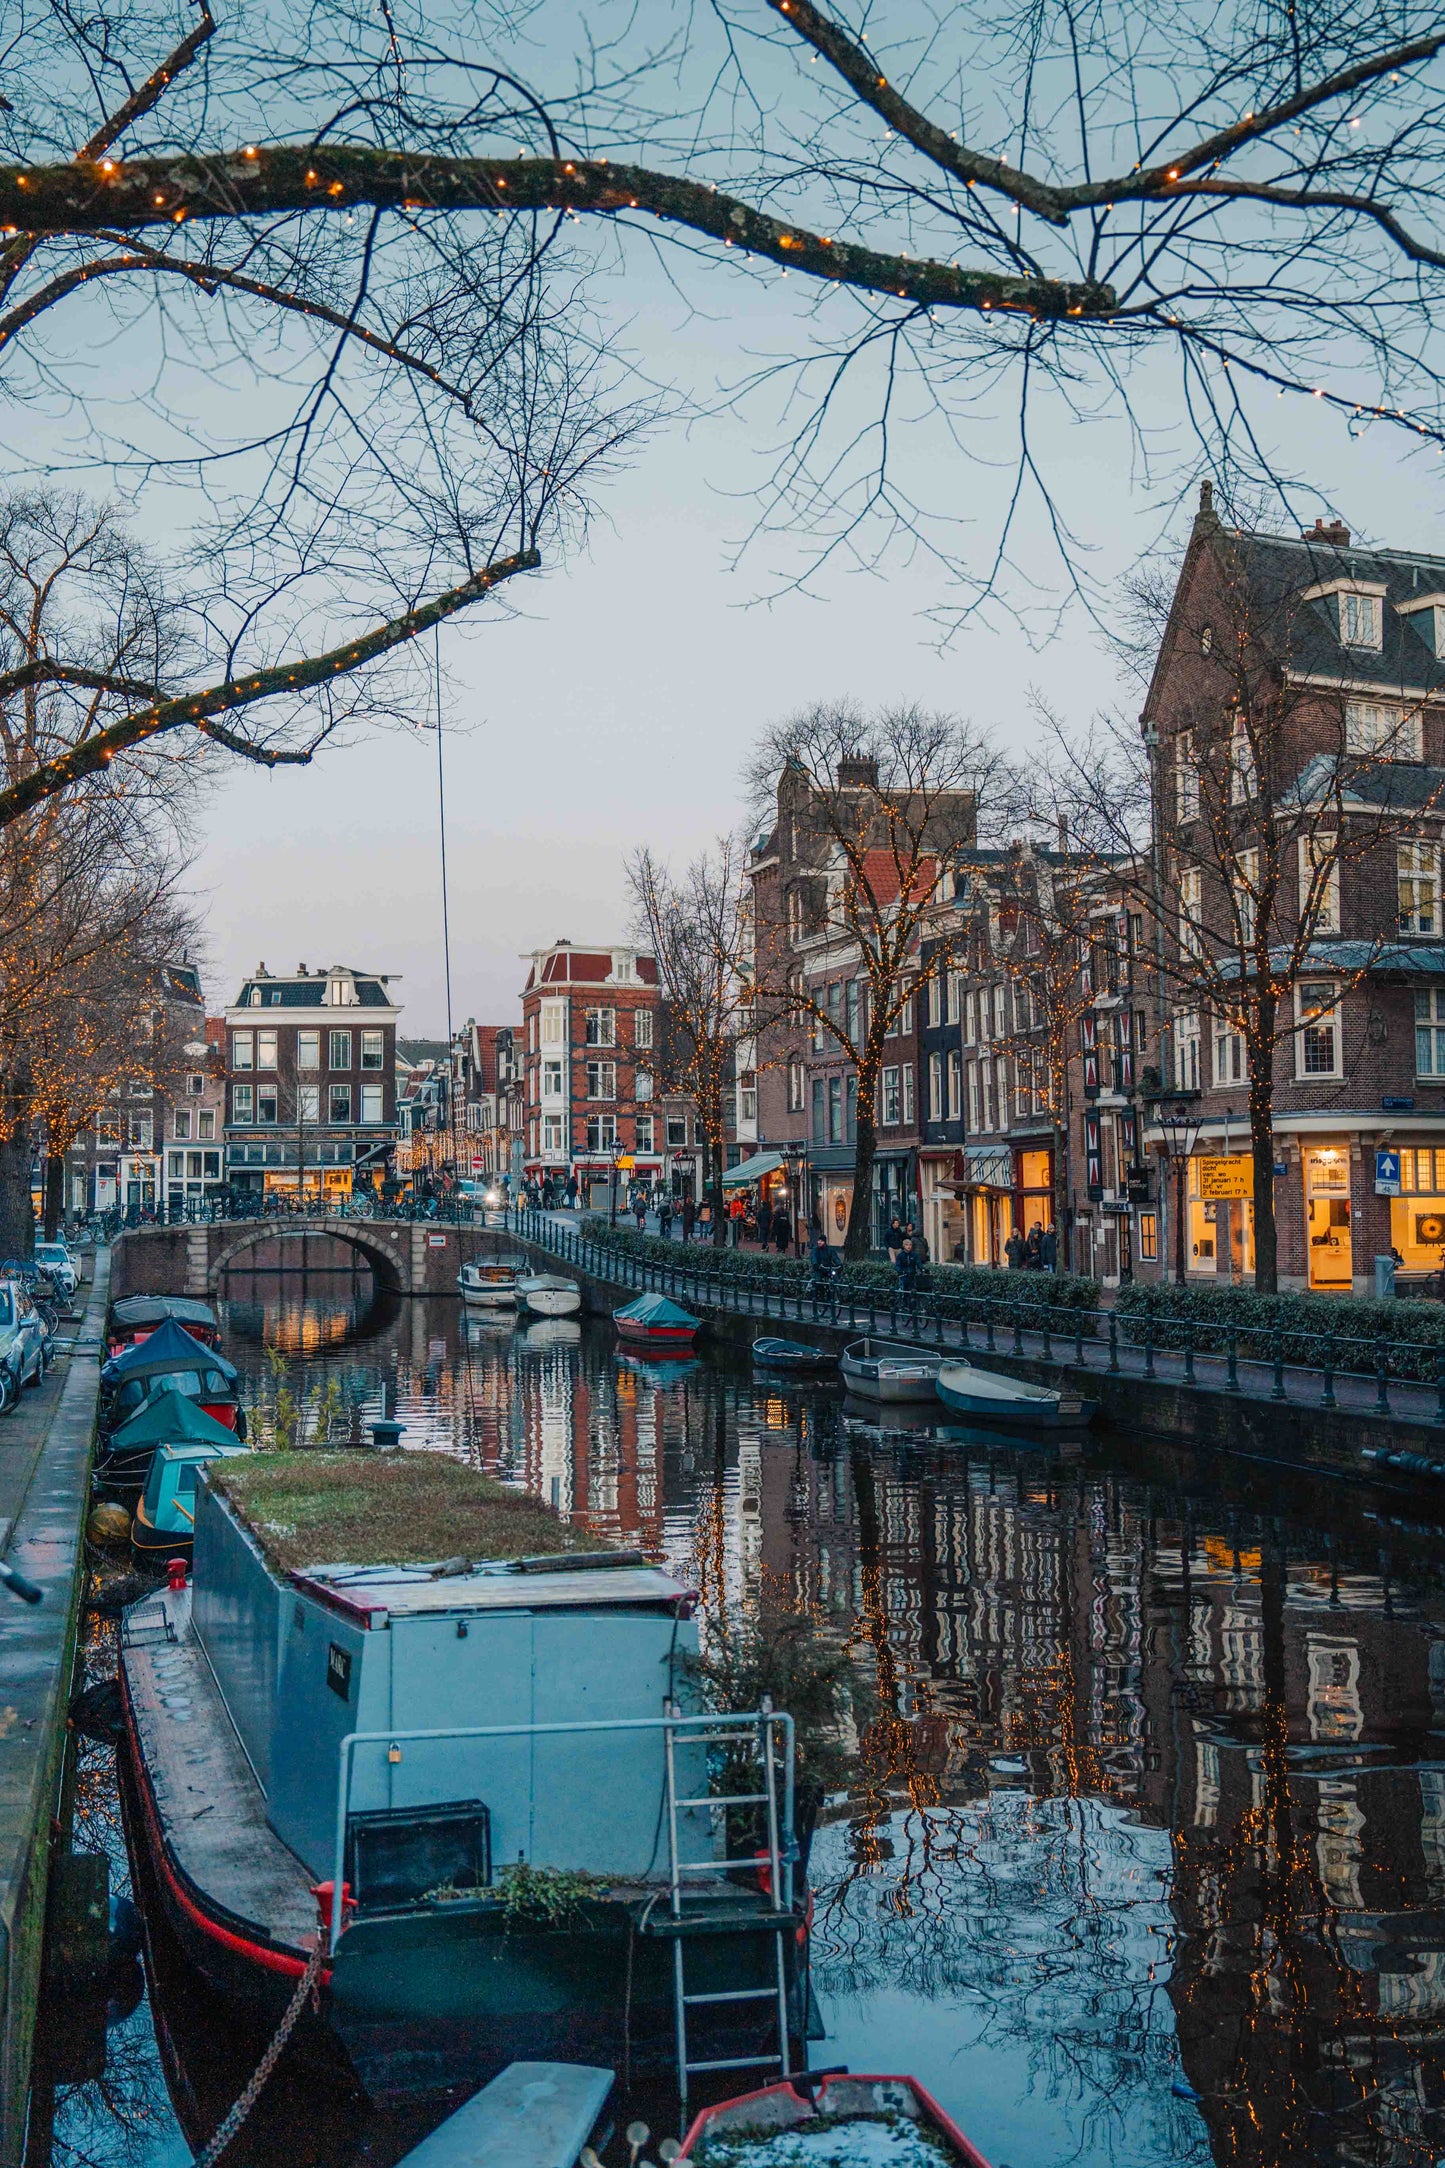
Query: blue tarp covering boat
pixel 169 1347
pixel 654 1322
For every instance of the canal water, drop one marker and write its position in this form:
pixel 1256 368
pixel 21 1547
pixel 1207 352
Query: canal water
pixel 1141 1858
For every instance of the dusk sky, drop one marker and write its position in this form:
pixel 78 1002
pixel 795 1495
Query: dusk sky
pixel 617 707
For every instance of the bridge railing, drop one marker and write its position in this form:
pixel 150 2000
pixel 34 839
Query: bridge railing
pixel 240 1206
pixel 1404 1378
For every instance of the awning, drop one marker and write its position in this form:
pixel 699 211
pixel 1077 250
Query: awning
pixel 988 1166
pixel 752 1170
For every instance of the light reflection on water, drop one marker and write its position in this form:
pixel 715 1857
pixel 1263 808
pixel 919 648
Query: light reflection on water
pixel 1144 1858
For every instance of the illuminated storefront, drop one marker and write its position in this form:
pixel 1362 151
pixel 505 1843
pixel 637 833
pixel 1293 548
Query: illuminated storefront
pixel 1328 1241
pixel 1220 1215
pixel 1417 1215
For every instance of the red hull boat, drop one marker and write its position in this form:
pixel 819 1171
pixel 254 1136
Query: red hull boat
pixel 788 2108
pixel 658 1325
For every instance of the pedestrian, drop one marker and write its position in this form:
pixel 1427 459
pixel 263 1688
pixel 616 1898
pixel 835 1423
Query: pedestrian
pixel 1033 1260
pixel 823 1261
pixel 704 1223
pixel 664 1216
pixel 689 1216
pixel 571 1192
pixel 894 1239
pixel 735 1222
pixel 765 1222
pixel 1013 1250
pixel 1049 1249
pixel 905 1263
pixel 782 1232
pixel 639 1211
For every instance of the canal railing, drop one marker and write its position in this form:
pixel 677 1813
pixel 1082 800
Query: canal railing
pixel 1382 1376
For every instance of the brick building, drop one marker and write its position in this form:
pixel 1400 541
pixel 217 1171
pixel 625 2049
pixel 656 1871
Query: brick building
pixel 591 1018
pixel 1355 641
pixel 489 1066
pixel 310 1082
pixel 157 1136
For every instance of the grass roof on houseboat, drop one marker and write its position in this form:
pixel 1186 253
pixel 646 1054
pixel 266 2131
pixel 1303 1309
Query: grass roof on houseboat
pixel 386 1509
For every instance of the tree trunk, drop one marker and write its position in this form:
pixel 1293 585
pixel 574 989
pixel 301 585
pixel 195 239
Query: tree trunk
pixel 856 1243
pixel 712 1173
pixel 54 1195
pixel 17 1216
pixel 1261 1137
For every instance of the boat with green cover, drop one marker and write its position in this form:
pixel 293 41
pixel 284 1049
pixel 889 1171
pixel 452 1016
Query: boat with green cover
pixel 172 1418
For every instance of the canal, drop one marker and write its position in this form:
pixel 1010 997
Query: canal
pixel 1141 1857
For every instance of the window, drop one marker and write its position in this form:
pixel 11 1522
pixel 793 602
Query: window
pixel 554 1025
pixel 795 1087
pixel 1373 727
pixel 551 1080
pixel 1022 1067
pixel 183 1121
pixel 853 1008
pixel 1228 1052
pixel 339 1055
pixel 819 1116
pixel 954 984
pixel 820 1033
pixel 1246 893
pixel 266 1103
pixel 1319 881
pixel 747 1096
pixel 178 1166
pixel 642 1028
pixel 1360 620
pixel 999 1026
pixel 905 1017
pixel 972 1018
pixel 371 1102
pixel 677 1132
pixel 308 1050
pixel 142 1133
pixel 975 1098
pixel 955 1085
pixel 1186 778
pixel 908 1096
pixel 1000 1102
pixel 1148 1237
pixel 551 1132
pixel 602 1080
pixel 1021 1006
pixel 1318 1013
pixel 601 1132
pixel 195 1086
pixel 1243 775
pixel 373 1049
pixel 308 1103
pixel 935 1087
pixel 242 1103
pixel 889 1100
pixel 206 1123
pixel 1190 894
pixel 850 1110
pixel 339 1101
pixel 642 1084
pixel 601 1027
pixel 643 1127
pixel 243 1050
pixel 265 1050
pixel 835 1110
pixel 1430 1034
pixel 795 914
pixel 1419 886
pixel 1186 1052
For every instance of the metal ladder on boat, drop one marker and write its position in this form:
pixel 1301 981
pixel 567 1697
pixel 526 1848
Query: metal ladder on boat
pixel 758 1729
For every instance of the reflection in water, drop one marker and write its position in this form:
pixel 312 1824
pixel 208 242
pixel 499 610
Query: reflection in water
pixel 1144 1858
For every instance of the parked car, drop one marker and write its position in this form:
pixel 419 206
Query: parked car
pixel 24 1345
pixel 56 1264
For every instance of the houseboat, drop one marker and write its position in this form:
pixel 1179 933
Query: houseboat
pixel 135 1317
pixel 164 1521
pixel 984 1396
pixel 169 1360
pixel 657 1325
pixel 549 1294
pixel 485 1753
pixel 795 1358
pixel 127 1455
pixel 491 1282
pixel 830 2118
pixel 891 1370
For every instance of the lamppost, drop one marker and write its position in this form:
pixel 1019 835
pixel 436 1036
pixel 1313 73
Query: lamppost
pixel 795 1159
pixel 1180 1122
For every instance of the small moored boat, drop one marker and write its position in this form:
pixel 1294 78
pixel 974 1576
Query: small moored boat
pixel 795 1355
pixel 888 2122
pixel 986 1397
pixel 491 1282
pixel 891 1370
pixel 658 1325
pixel 164 1524
pixel 535 2115
pixel 550 1294
pixel 135 1317
pixel 171 1418
pixel 169 1360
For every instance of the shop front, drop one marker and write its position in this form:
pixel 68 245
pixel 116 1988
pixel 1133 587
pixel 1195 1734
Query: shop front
pixel 990 1177
pixel 1219 1215
pixel 1417 1215
pixel 894 1194
pixel 1329 1245
pixel 1033 1196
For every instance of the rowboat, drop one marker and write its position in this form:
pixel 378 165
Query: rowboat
pixel 550 1294
pixel 164 1524
pixel 491 1282
pixel 171 1418
pixel 535 2115
pixel 888 2121
pixel 658 1325
pixel 891 1370
pixel 793 1355
pixel 986 1397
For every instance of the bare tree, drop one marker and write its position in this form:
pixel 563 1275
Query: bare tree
pixel 987 208
pixel 1259 794
pixel 697 929
pixel 879 806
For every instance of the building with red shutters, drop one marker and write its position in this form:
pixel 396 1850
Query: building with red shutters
pixel 592 1027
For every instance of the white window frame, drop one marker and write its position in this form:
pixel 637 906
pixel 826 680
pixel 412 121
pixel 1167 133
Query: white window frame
pixel 1191 904
pixel 908 1108
pixel 935 1087
pixel 1417 873
pixel 1382 728
pixel 373 1104
pixel 1361 619
pixel 955 1084
pixel 1187 1045
pixel 888 1099
pixel 1246 891
pixel 182 1123
pixel 1186 777
pixel 553 1079
pixel 1314 851
pixel 1430 1033
pixel 642 1027
pixel 1228 1067
pixel 1307 1016
pixel 243 1050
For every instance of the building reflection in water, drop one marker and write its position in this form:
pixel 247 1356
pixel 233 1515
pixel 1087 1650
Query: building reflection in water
pixel 1144 1858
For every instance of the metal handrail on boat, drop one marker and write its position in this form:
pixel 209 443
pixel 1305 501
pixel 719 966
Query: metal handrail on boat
pixel 704 1729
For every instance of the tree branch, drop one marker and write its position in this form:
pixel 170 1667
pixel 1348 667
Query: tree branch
pixel 197 711
pixel 43 671
pixel 152 90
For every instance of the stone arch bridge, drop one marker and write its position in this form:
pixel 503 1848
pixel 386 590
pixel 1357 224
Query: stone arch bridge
pixel 407 1257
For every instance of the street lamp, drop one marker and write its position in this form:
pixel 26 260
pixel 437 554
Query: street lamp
pixel 795 1159
pixel 1180 1122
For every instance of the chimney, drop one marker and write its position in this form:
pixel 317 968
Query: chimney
pixel 1334 532
pixel 1063 817
pixel 859 772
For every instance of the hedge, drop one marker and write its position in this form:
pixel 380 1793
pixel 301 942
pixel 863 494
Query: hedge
pixel 1412 1334
pixel 1019 1293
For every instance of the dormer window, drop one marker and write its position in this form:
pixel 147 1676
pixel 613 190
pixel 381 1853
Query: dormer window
pixel 1359 619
